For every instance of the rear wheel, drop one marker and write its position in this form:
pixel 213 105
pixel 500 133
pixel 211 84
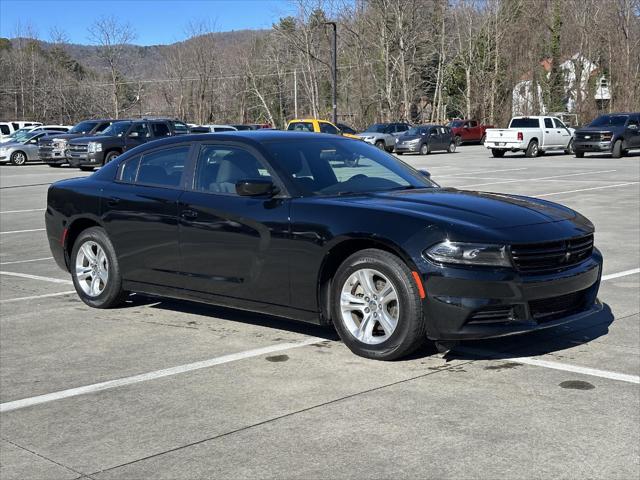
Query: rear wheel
pixel 532 149
pixel 380 144
pixel 496 152
pixel 18 158
pixel 425 149
pixel 376 307
pixel 458 140
pixel 617 149
pixel 95 270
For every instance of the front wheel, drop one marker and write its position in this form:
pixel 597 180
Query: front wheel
pixel 95 270
pixel 452 147
pixel 376 306
pixel 110 156
pixel 18 158
pixel 425 149
pixel 380 144
pixel 617 149
pixel 569 149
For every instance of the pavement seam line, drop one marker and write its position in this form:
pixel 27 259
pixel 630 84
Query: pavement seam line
pixel 46 458
pixel 36 297
pixel 23 186
pixel 23 231
pixel 154 375
pixel 625 273
pixel 539 178
pixel 286 415
pixel 24 211
pixel 36 277
pixel 587 189
pixel 14 262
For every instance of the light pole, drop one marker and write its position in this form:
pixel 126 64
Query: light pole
pixel 335 70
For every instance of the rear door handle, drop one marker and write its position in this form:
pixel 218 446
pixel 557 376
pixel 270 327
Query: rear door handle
pixel 189 214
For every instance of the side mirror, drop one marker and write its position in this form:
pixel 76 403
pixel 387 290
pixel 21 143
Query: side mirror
pixel 134 134
pixel 425 173
pixel 255 188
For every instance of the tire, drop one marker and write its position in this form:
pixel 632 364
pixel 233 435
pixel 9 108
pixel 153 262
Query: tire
pixel 18 158
pixel 578 154
pixel 394 340
pixel 616 152
pixel 532 150
pixel 569 149
pixel 482 139
pixel 458 140
pixel 55 165
pixel 110 156
pixel 399 153
pixel 389 149
pixel 86 169
pixel 380 144
pixel 95 241
pixel 452 147
pixel 496 152
pixel 425 149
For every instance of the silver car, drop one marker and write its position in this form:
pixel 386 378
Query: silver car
pixel 383 135
pixel 24 148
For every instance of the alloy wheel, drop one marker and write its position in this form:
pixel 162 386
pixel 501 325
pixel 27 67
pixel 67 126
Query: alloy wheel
pixel 19 158
pixel 92 269
pixel 369 305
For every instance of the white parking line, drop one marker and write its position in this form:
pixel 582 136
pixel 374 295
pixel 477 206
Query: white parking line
pixel 611 276
pixel 540 178
pixel 24 211
pixel 587 189
pixel 145 377
pixel 36 277
pixel 484 171
pixel 26 261
pixel 593 372
pixel 36 297
pixel 23 231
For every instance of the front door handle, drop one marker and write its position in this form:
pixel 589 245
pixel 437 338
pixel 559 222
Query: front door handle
pixel 113 201
pixel 189 214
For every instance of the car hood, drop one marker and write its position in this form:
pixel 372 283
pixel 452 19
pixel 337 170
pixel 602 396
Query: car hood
pixel 11 144
pixel 85 140
pixel 598 129
pixel 370 134
pixel 406 138
pixel 66 136
pixel 451 206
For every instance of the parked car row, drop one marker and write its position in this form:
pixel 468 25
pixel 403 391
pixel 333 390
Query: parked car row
pixel 614 133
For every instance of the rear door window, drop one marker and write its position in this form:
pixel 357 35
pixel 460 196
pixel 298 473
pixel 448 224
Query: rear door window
pixel 548 123
pixel 128 170
pixel 163 168
pixel 160 129
pixel 4 129
pixel 328 128
pixel 558 123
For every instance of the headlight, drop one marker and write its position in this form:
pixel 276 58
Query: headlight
pixel 59 144
pixel 607 136
pixel 469 254
pixel 93 147
pixel 415 140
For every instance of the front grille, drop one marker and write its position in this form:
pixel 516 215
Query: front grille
pixel 78 147
pixel 540 257
pixel 547 309
pixel 588 136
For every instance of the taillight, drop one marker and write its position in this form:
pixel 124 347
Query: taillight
pixel 520 136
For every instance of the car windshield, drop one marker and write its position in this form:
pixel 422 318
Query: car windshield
pixel 116 129
pixel 377 128
pixel 83 127
pixel 455 123
pixel 328 167
pixel 415 131
pixel 609 121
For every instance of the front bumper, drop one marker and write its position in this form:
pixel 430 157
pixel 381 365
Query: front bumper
pixel 407 147
pixel 81 159
pixel 53 156
pixel 582 146
pixel 475 304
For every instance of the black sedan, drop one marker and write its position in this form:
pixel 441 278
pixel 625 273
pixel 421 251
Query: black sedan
pixel 279 222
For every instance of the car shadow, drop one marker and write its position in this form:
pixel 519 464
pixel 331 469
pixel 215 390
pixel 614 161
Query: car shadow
pixel 552 340
pixel 240 316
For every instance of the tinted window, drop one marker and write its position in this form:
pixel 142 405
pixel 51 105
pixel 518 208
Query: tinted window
pixel 127 170
pixel 83 127
pixel 180 128
pixel 223 129
pixel 632 121
pixel 609 120
pixel 4 129
pixel 524 123
pixel 328 128
pixel 163 168
pixel 15 125
pixel 301 126
pixel 456 123
pixel 473 123
pixel 102 127
pixel 377 128
pixel 117 129
pixel 558 123
pixel 141 129
pixel 160 129
pixel 220 167
pixel 338 167
pixel 548 123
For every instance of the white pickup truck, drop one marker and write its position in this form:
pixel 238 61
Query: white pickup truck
pixel 533 135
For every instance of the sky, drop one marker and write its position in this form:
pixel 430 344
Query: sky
pixel 155 21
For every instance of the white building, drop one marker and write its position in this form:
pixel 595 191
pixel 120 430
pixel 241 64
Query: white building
pixel 577 70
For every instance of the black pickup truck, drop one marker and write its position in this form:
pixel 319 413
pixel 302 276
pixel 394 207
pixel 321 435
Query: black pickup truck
pixel 89 152
pixel 53 148
pixel 615 132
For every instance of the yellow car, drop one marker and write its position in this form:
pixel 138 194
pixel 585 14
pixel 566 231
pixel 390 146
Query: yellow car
pixel 317 126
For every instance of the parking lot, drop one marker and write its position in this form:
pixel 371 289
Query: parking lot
pixel 167 389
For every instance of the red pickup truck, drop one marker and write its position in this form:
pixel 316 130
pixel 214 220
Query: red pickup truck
pixel 467 130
